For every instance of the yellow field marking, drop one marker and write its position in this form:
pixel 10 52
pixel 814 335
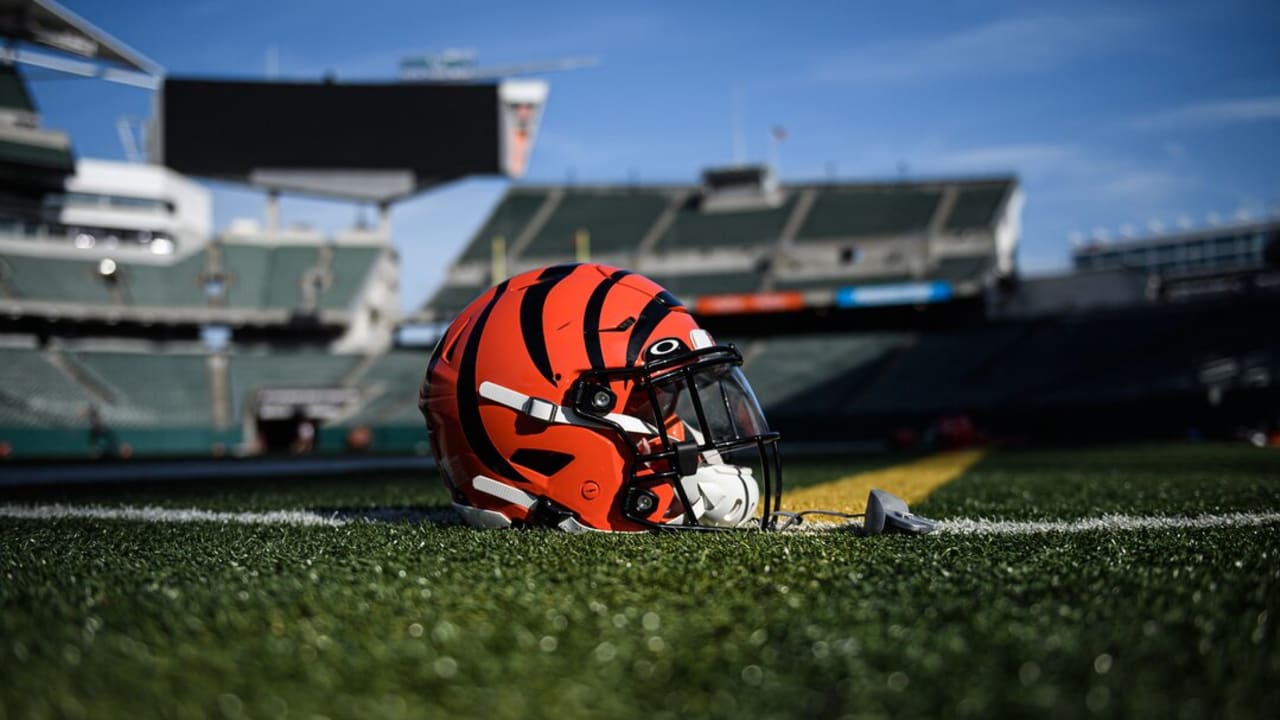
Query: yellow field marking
pixel 913 482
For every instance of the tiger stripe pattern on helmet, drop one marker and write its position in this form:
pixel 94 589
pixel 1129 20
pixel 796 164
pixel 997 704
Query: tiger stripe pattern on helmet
pixel 534 336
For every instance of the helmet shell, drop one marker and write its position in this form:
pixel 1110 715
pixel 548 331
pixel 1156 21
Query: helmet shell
pixel 537 333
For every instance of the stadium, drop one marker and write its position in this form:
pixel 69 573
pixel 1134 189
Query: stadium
pixel 218 495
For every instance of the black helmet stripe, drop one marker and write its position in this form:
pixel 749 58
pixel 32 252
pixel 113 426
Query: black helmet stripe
pixel 645 325
pixel 469 402
pixel 591 318
pixel 535 297
pixel 425 389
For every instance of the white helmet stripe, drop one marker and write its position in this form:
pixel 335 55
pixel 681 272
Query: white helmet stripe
pixel 552 413
pixel 513 495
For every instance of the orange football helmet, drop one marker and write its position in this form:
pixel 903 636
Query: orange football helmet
pixel 586 397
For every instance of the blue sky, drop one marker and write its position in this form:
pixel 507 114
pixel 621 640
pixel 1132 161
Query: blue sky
pixel 1117 116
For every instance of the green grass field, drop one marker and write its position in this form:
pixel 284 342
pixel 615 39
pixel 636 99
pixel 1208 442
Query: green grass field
pixel 109 618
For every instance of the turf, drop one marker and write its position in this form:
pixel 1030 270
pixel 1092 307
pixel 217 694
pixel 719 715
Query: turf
pixel 107 618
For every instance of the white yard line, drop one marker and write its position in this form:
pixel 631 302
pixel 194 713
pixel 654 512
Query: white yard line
pixel 1106 522
pixel 167 515
pixel 306 518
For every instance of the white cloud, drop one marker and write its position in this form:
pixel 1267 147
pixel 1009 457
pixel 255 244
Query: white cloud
pixel 1003 46
pixel 1145 185
pixel 1214 112
pixel 1028 158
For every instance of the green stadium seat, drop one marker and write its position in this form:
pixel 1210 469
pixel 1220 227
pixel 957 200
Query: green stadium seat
pixel 616 223
pixel 284 278
pixel 976 207
pixel 152 390
pixel 790 366
pixel 40 278
pixel 693 228
pixel 34 393
pixel 683 286
pixel 177 285
pixel 351 266
pixel 400 374
pixel 248 372
pixel 837 282
pixel 508 219
pixel 247 268
pixel 869 212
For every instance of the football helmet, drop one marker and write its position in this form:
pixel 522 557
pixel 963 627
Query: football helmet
pixel 586 397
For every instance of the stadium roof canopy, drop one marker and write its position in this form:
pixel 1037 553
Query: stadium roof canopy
pixel 49 26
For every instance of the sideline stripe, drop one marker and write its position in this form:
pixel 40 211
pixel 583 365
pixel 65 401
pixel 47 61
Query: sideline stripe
pixel 913 482
pixel 168 515
pixel 446 516
pixel 1106 522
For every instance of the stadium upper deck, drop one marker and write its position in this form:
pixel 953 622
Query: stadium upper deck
pixel 125 243
pixel 789 246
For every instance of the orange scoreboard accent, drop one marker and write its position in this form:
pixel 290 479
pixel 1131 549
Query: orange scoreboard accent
pixel 747 303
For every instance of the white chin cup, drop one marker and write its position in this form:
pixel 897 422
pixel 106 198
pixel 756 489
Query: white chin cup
pixel 722 495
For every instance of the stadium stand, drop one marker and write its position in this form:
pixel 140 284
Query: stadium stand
pixel 41 278
pixel 246 268
pixel 284 277
pixel 394 379
pixel 350 267
pixel 512 214
pixel 708 283
pixel 251 371
pixel 450 299
pixel 976 207
pixel 813 237
pixel 1072 373
pixel 869 212
pixel 42 157
pixel 782 368
pixel 694 229
pixel 177 285
pixel 962 268
pixel 151 389
pixel 257 276
pixel 826 282
pixel 615 221
pixel 34 393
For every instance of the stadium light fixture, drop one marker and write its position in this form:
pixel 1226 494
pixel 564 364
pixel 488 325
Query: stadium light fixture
pixel 84 241
pixel 162 246
pixel 107 268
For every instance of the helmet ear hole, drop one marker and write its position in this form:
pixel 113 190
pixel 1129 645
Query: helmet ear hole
pixel 594 399
pixel 641 502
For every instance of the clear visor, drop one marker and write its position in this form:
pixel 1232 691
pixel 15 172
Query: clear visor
pixel 711 405
pixel 703 449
